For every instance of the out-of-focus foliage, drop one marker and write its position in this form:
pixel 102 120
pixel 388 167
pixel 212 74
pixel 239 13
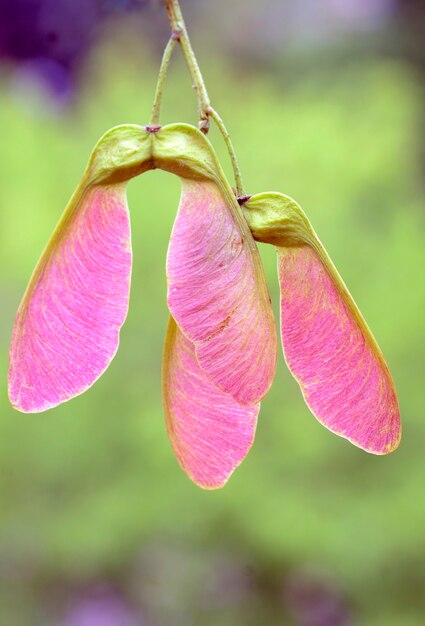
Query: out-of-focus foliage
pixel 96 518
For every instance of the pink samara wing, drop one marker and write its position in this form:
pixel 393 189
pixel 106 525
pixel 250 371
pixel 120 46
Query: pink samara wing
pixel 331 352
pixel 67 327
pixel 327 344
pixel 209 431
pixel 217 293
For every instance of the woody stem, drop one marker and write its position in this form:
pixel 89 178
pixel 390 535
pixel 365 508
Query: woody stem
pixel 179 32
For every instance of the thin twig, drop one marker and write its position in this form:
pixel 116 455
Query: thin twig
pixel 179 33
pixel 156 107
pixel 230 149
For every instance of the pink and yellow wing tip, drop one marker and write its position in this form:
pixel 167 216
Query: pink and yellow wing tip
pixel 333 356
pixel 209 431
pixel 382 449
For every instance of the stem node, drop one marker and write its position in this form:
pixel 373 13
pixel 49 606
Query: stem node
pixel 204 125
pixel 176 34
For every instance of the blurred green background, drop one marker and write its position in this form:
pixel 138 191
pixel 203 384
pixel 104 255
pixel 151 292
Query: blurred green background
pixel 98 525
